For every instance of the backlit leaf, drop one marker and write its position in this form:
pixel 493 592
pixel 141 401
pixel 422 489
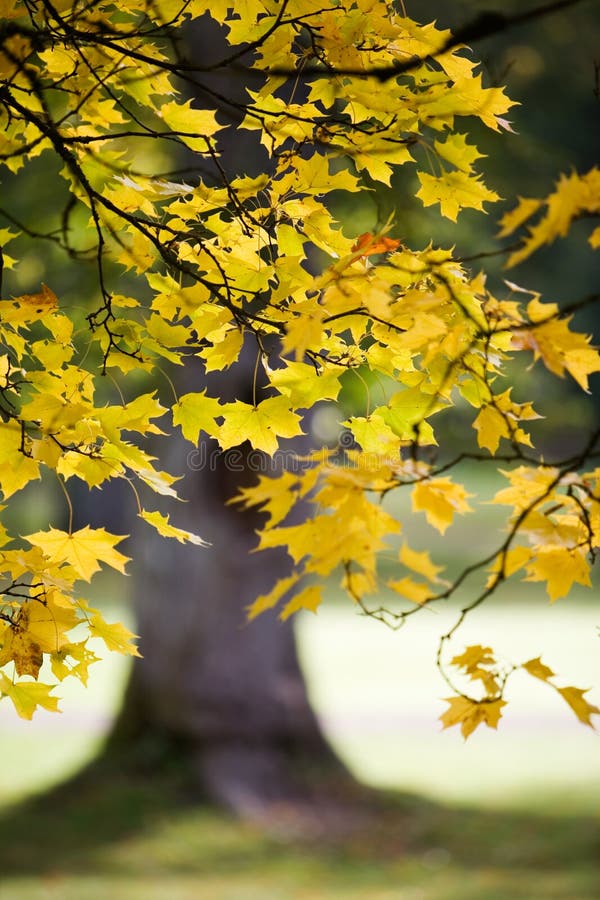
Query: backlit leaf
pixel 578 703
pixel 27 696
pixel 262 425
pixel 469 714
pixel 161 523
pixel 440 499
pixel 115 636
pixel 537 668
pixel 84 550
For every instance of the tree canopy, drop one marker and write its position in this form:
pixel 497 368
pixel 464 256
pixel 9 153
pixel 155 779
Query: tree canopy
pixel 196 264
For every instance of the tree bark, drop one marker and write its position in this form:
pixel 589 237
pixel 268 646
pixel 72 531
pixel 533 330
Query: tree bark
pixel 228 693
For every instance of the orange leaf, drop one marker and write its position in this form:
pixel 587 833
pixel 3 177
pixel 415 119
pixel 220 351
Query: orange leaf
pixel 371 244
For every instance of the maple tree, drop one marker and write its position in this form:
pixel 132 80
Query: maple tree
pixel 196 270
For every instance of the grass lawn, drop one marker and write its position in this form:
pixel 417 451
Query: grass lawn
pixel 136 842
pixel 511 815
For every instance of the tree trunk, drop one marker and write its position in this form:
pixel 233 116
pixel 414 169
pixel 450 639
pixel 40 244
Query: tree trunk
pixel 229 693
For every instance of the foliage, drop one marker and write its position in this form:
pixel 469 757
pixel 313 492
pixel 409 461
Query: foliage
pixel 338 101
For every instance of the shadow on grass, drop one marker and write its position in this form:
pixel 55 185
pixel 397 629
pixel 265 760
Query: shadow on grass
pixel 102 821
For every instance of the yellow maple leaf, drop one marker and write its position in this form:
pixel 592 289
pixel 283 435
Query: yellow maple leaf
pixel 470 713
pixel 368 156
pixel 525 208
pixel 574 195
pixel 159 481
pixel 314 176
pixel 305 330
pixel 473 657
pixel 454 191
pixel 48 622
pixel 359 584
pixel 195 413
pixel 164 527
pixel 553 529
pixel 115 636
pixel 37 628
pixel 457 151
pixel 193 126
pixel 479 664
pixel 28 695
pixel 537 668
pixel 83 549
pixel 305 385
pixel 440 499
pixel 560 349
pixel 73 659
pixel 580 706
pixel 415 591
pixel 274 496
pixel 420 562
pixel 580 363
pixel 509 562
pixel 499 419
pixel 527 486
pixel 16 469
pixel 19 647
pixel 261 425
pixel 490 426
pixel 407 410
pixel 310 599
pixel 133 416
pixel 272 598
pixel 227 344
pixel 560 568
pixel 468 97
pixel 375 436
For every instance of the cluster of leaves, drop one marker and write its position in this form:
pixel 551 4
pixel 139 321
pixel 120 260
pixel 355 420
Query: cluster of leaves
pixel 348 91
